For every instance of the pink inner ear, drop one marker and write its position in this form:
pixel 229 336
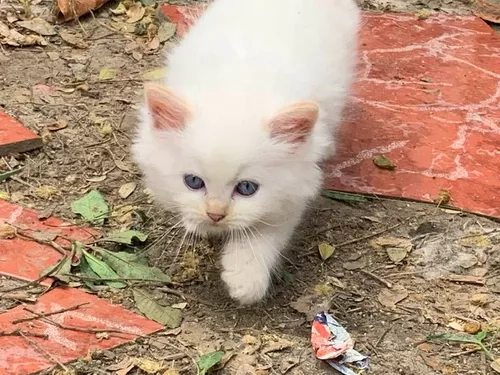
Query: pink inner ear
pixel 294 123
pixel 169 112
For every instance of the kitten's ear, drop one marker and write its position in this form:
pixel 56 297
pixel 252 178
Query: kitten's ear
pixel 294 123
pixel 169 112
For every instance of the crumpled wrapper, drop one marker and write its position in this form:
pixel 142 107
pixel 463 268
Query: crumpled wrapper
pixel 331 342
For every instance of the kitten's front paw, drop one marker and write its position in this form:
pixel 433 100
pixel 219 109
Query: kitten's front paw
pixel 246 286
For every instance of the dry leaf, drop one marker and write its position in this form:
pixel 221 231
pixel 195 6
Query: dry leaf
pixel 495 365
pixel 135 13
pixel 397 248
pixel 383 162
pixel 154 44
pixel 14 38
pixel 456 326
pixel 107 73
pixel 155 74
pixel 7 231
pixel 480 299
pixel 148 365
pixel 73 40
pixel 472 327
pixel 45 191
pixel 171 371
pixel 61 124
pixel 120 9
pixel 127 189
pixel 166 31
pixel 355 264
pixel 69 9
pixel 443 198
pixel 326 250
pixel 390 297
pixel 38 25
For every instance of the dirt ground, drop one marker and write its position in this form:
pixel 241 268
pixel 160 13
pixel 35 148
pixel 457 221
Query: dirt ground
pixel 58 84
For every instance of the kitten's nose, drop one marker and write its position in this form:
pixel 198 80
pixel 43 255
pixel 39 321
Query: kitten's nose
pixel 215 217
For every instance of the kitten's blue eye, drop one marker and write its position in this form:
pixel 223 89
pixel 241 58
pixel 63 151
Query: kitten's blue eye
pixel 193 182
pixel 247 188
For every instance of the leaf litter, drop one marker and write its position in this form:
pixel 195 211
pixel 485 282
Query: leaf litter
pixel 166 315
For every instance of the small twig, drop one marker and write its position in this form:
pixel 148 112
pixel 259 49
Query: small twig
pixel 77 329
pixel 453 355
pixel 356 240
pixel 49 313
pixel 40 349
pixel 18 332
pixel 185 296
pixel 383 336
pixel 378 278
pixel 149 281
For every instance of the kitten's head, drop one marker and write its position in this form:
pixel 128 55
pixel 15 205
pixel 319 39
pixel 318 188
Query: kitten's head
pixel 219 178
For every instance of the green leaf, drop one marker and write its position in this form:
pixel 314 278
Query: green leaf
pixel 326 250
pixel 103 271
pixel 86 271
pixel 481 335
pixel 59 269
pixel 345 197
pixel 166 315
pixel 107 73
pixel 92 207
pixel 209 360
pixel 127 237
pixel 6 175
pixel 127 266
pixel 458 337
pixel 383 162
pixel 288 277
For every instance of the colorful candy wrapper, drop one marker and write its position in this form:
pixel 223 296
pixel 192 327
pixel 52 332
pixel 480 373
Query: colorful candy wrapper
pixel 332 343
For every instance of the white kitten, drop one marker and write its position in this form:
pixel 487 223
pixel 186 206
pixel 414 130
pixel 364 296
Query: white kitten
pixel 248 110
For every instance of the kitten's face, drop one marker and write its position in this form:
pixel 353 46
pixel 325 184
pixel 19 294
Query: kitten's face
pixel 223 170
pixel 217 191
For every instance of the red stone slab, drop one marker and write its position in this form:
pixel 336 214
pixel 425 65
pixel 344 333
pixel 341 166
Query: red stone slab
pixel 427 97
pixel 18 357
pixel 26 259
pixel 15 138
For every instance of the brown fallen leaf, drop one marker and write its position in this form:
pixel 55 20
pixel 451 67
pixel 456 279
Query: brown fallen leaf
pixel 14 38
pixel 135 12
pixel 354 265
pixel 66 10
pixel 73 40
pixel 7 231
pixel 38 25
pixel 488 10
pixel 61 124
pixel 397 248
pixel 166 31
pixel 127 189
pixel 443 198
pixel 390 297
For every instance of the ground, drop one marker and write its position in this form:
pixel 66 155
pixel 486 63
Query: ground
pixel 49 87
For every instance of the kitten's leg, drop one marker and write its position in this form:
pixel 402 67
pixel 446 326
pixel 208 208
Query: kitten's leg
pixel 249 261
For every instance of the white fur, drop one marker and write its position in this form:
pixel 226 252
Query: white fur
pixel 238 66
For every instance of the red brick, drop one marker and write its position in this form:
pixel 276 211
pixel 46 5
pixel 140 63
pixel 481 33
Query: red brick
pixel 26 259
pixel 443 134
pixel 16 138
pixel 18 357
